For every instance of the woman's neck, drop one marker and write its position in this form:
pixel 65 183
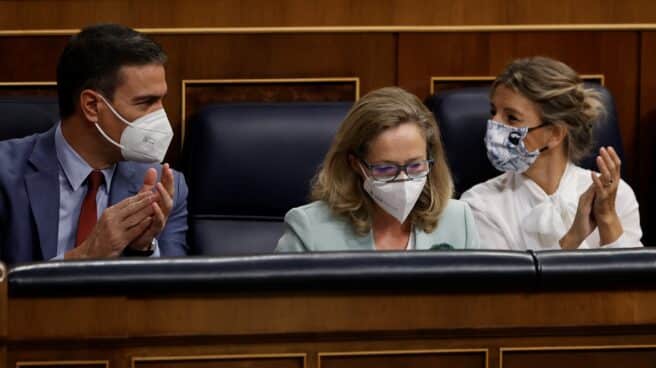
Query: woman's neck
pixel 388 233
pixel 548 170
pixel 383 221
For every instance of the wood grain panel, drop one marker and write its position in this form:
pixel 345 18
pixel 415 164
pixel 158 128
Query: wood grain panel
pixel 264 314
pixel 340 313
pixel 30 58
pixel 219 361
pixel 83 316
pixel 28 89
pixel 122 353
pixel 441 84
pixel 339 329
pixel 202 93
pixel 66 14
pixel 574 357
pixel 613 54
pixel 410 359
pixel 370 57
pixel 61 364
pixel 80 353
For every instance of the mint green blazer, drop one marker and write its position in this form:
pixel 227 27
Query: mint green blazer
pixel 314 228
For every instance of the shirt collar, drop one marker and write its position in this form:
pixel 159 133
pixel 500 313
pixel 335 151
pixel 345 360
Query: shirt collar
pixel 566 188
pixel 75 169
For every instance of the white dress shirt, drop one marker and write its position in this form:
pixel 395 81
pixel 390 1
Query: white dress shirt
pixel 513 212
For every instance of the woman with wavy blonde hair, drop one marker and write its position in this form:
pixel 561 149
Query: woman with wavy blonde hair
pixel 541 125
pixel 384 185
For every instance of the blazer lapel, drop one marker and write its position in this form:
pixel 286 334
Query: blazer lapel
pixel 42 184
pixel 124 183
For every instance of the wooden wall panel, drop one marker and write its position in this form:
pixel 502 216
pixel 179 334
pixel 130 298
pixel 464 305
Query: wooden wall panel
pixel 30 58
pixel 62 364
pixel 612 54
pixel 440 84
pixel 370 57
pixel 242 315
pixel 67 14
pixel 222 361
pixel 334 329
pixel 199 93
pixel 573 357
pixel 28 90
pixel 411 359
pixel 67 355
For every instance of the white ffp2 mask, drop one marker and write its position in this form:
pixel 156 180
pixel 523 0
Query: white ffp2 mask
pixel 144 140
pixel 397 198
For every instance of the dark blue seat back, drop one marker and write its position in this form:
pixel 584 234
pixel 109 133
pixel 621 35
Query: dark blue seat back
pixel 25 115
pixel 247 165
pixel 462 115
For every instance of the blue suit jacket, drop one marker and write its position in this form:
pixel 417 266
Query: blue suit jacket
pixel 29 200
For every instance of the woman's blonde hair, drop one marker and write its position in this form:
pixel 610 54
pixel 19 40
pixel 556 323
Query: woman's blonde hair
pixel 340 186
pixel 561 97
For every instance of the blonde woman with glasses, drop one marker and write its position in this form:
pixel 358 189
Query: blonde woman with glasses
pixel 384 185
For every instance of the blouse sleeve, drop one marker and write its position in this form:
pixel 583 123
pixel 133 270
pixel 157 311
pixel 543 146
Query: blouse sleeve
pixel 490 232
pixel 627 209
pixel 473 240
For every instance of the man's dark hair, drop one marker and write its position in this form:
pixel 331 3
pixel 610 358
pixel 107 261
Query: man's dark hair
pixel 93 57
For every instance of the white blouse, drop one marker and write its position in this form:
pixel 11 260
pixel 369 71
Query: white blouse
pixel 513 212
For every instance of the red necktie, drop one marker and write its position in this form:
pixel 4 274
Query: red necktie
pixel 89 212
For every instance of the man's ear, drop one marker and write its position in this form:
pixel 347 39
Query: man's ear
pixel 89 102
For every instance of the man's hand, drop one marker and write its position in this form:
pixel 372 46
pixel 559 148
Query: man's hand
pixel 164 192
pixel 117 227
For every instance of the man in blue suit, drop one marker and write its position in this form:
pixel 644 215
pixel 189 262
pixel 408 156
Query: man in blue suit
pixel 92 186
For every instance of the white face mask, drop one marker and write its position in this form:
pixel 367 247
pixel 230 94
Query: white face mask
pixel 144 140
pixel 397 198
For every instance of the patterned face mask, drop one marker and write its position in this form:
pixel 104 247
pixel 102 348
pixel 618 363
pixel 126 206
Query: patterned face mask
pixel 505 147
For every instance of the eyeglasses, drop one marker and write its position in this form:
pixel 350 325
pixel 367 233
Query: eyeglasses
pixel 388 172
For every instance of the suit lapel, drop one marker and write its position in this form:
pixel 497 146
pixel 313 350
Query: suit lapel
pixel 124 183
pixel 42 184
